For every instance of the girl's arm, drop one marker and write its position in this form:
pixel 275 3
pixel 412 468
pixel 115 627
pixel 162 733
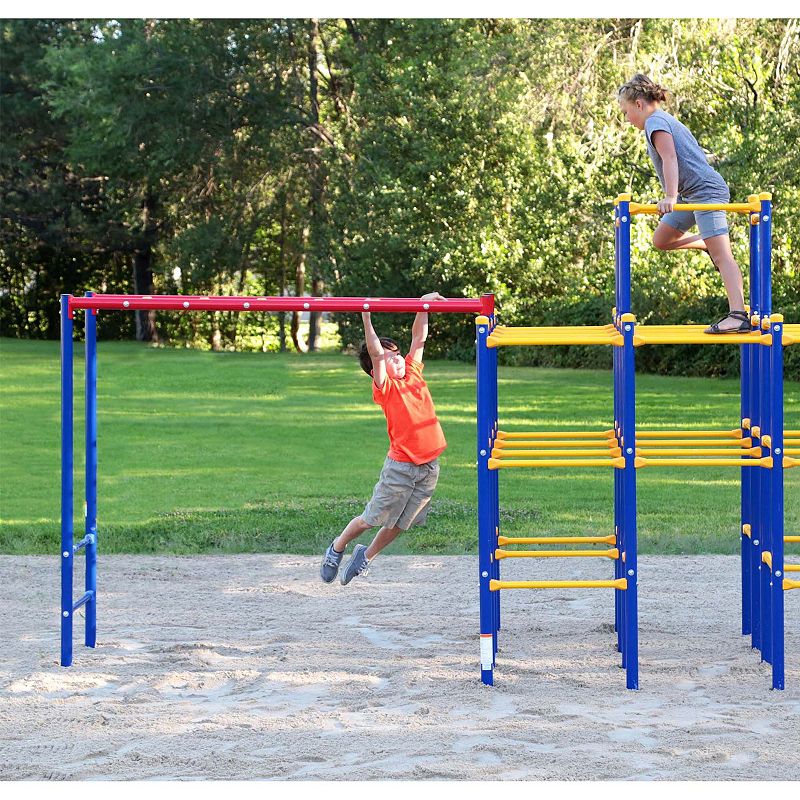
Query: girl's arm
pixel 665 147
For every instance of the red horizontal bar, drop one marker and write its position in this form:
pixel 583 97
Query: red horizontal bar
pixel 163 302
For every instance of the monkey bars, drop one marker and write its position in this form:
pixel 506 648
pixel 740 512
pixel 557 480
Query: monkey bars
pixel 93 303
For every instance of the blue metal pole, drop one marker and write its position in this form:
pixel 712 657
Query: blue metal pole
pixel 91 475
pixel 624 234
pixel 777 505
pixel 631 572
pixel 495 476
pixel 66 482
pixel 746 410
pixel 485 502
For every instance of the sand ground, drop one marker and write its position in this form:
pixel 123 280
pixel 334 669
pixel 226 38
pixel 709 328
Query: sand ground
pixel 248 667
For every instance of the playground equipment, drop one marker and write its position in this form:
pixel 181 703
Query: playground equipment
pixel 92 303
pixel 757 444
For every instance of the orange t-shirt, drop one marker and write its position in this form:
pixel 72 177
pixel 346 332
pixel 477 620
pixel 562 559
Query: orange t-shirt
pixel 414 431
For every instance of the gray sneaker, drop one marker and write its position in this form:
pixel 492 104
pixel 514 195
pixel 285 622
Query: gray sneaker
pixel 330 564
pixel 357 565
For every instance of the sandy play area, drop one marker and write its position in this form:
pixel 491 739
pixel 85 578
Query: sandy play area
pixel 241 667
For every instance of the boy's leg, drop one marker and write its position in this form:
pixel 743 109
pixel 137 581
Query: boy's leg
pixel 354 529
pixel 383 538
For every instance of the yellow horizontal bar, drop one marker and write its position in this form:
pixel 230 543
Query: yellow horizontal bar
pixel 612 554
pixel 695 334
pixel 598 444
pixel 733 434
pixel 789 462
pixel 555 435
pixel 697 451
pixel 619 583
pixel 564 339
pixel 558 540
pixel 791 539
pixel 705 462
pixel 732 445
pixel 500 452
pixel 732 208
pixel 766 558
pixel 502 463
pixel 791 567
pixel 787 584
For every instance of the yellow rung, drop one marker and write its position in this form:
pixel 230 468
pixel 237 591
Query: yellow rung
pixel 731 444
pixel 500 452
pixel 787 584
pixel 511 444
pixel 789 462
pixel 791 567
pixel 791 434
pixel 612 554
pixel 555 435
pixel 558 540
pixel 700 451
pixel 736 433
pixel 505 463
pixel 695 334
pixel 705 462
pixel 791 538
pixel 731 208
pixel 619 583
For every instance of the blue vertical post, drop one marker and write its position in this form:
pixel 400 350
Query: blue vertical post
pixel 747 412
pixel 626 610
pixel 624 258
pixel 90 531
pixel 66 482
pixel 630 566
pixel 776 509
pixel 485 501
pixel 494 474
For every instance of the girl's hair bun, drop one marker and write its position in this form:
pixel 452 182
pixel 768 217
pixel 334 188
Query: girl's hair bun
pixel 640 87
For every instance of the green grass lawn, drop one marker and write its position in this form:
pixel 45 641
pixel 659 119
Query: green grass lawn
pixel 204 452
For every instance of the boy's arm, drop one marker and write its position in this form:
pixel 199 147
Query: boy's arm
pixel 375 349
pixel 419 330
pixel 665 147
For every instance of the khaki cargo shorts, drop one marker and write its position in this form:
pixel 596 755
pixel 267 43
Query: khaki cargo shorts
pixel 402 495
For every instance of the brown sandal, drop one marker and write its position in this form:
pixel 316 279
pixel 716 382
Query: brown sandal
pixel 744 326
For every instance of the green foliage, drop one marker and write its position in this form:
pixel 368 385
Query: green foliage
pixel 384 157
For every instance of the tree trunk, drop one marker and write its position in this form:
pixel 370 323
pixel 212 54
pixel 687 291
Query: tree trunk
pixel 299 290
pixel 143 272
pixel 316 185
pixel 281 314
pixel 143 284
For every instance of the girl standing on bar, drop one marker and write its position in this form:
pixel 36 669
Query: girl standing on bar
pixel 686 177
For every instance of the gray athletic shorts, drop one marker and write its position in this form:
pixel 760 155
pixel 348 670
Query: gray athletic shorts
pixel 709 223
pixel 402 495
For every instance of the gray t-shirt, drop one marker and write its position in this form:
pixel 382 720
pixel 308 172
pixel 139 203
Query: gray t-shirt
pixel 697 180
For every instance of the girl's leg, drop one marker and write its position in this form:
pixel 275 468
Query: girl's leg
pixel 719 248
pixel 668 238
pixel 354 529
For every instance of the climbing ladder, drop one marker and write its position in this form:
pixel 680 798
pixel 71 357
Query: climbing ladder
pixel 757 445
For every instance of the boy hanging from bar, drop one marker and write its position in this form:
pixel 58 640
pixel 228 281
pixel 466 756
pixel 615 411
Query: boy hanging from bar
pixel 402 495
